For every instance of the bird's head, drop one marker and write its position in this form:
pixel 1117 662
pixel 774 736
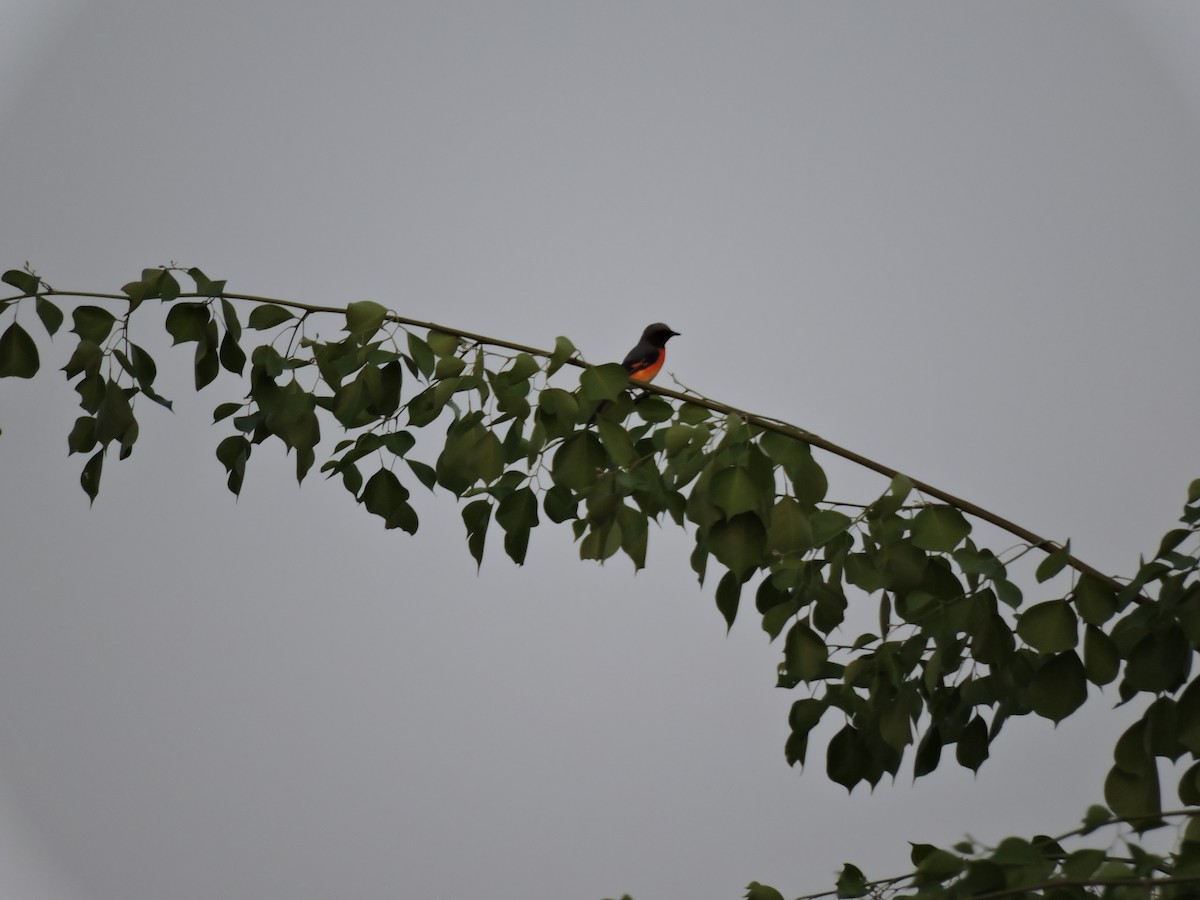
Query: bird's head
pixel 658 334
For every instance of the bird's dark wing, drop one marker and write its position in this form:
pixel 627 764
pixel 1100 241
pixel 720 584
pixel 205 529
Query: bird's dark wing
pixel 641 356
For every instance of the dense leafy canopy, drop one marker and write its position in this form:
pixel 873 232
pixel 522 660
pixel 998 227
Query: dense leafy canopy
pixel 957 650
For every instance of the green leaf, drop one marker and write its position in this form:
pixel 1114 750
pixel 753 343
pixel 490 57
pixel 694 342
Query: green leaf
pixel 653 409
pixel 1059 686
pixel 729 592
pixel 905 566
pixel 82 438
pixel 1053 563
pixel 168 287
pixel 776 617
pixel 233 452
pixel 399 442
pixel 51 315
pixel 1189 717
pixel 517 514
pixel 617 442
pixel 207 361
pixel 232 356
pixel 268 315
pixel 232 324
pixel 1096 817
pixel 137 291
pixel 929 752
pixel 1081 864
pixel 756 891
pixel 1133 795
pixel 128 439
pixel 293 419
pixel 577 463
pixel 206 286
pixel 600 542
pixel 387 498
pixel 87 355
pixel 789 530
pixel 972 748
pixel 804 652
pixel 937 866
pixel 734 490
pixel 828 524
pixel 982 877
pixel 425 473
pixel 1132 752
pixel 939 529
pixel 900 487
pixel 422 355
pixel 993 642
pixel 115 416
pixel 784 449
pixel 89 479
pixel 1159 662
pixel 364 318
pixel 476 516
pixel 225 410
pixel 851 883
pixel 248 423
pixel 809 482
pixel 739 543
pixel 808 478
pixel 383 388
pixel 896 721
pixel 471 454
pixel 1014 852
pixel 92 323
pixel 674 438
pixel 1009 593
pixel 803 718
pixel 91 391
pixel 563 350
pixel 1101 659
pixel 142 367
pixel 1049 627
pixel 845 758
pixel 1189 786
pixel 188 322
pixel 448 367
pixel 443 344
pixel 18 353
pixel 604 382
pixel 634 527
pixel 863 573
pixel 1095 601
pixel 560 504
pixel 25 282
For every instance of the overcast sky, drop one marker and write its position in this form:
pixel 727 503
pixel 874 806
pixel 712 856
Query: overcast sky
pixel 959 238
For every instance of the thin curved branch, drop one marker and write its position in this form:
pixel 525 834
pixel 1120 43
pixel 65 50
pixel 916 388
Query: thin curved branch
pixel 764 422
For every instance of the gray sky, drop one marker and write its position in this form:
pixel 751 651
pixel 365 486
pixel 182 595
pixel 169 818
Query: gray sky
pixel 957 238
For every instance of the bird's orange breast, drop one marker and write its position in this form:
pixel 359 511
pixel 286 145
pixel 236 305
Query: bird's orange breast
pixel 647 372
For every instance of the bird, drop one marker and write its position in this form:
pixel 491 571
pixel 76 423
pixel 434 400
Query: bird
pixel 647 357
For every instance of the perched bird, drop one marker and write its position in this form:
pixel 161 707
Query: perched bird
pixel 643 361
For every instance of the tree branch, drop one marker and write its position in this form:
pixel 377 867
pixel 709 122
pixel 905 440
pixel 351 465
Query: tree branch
pixel 764 422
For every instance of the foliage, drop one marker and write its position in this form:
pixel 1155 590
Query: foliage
pixel 958 650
